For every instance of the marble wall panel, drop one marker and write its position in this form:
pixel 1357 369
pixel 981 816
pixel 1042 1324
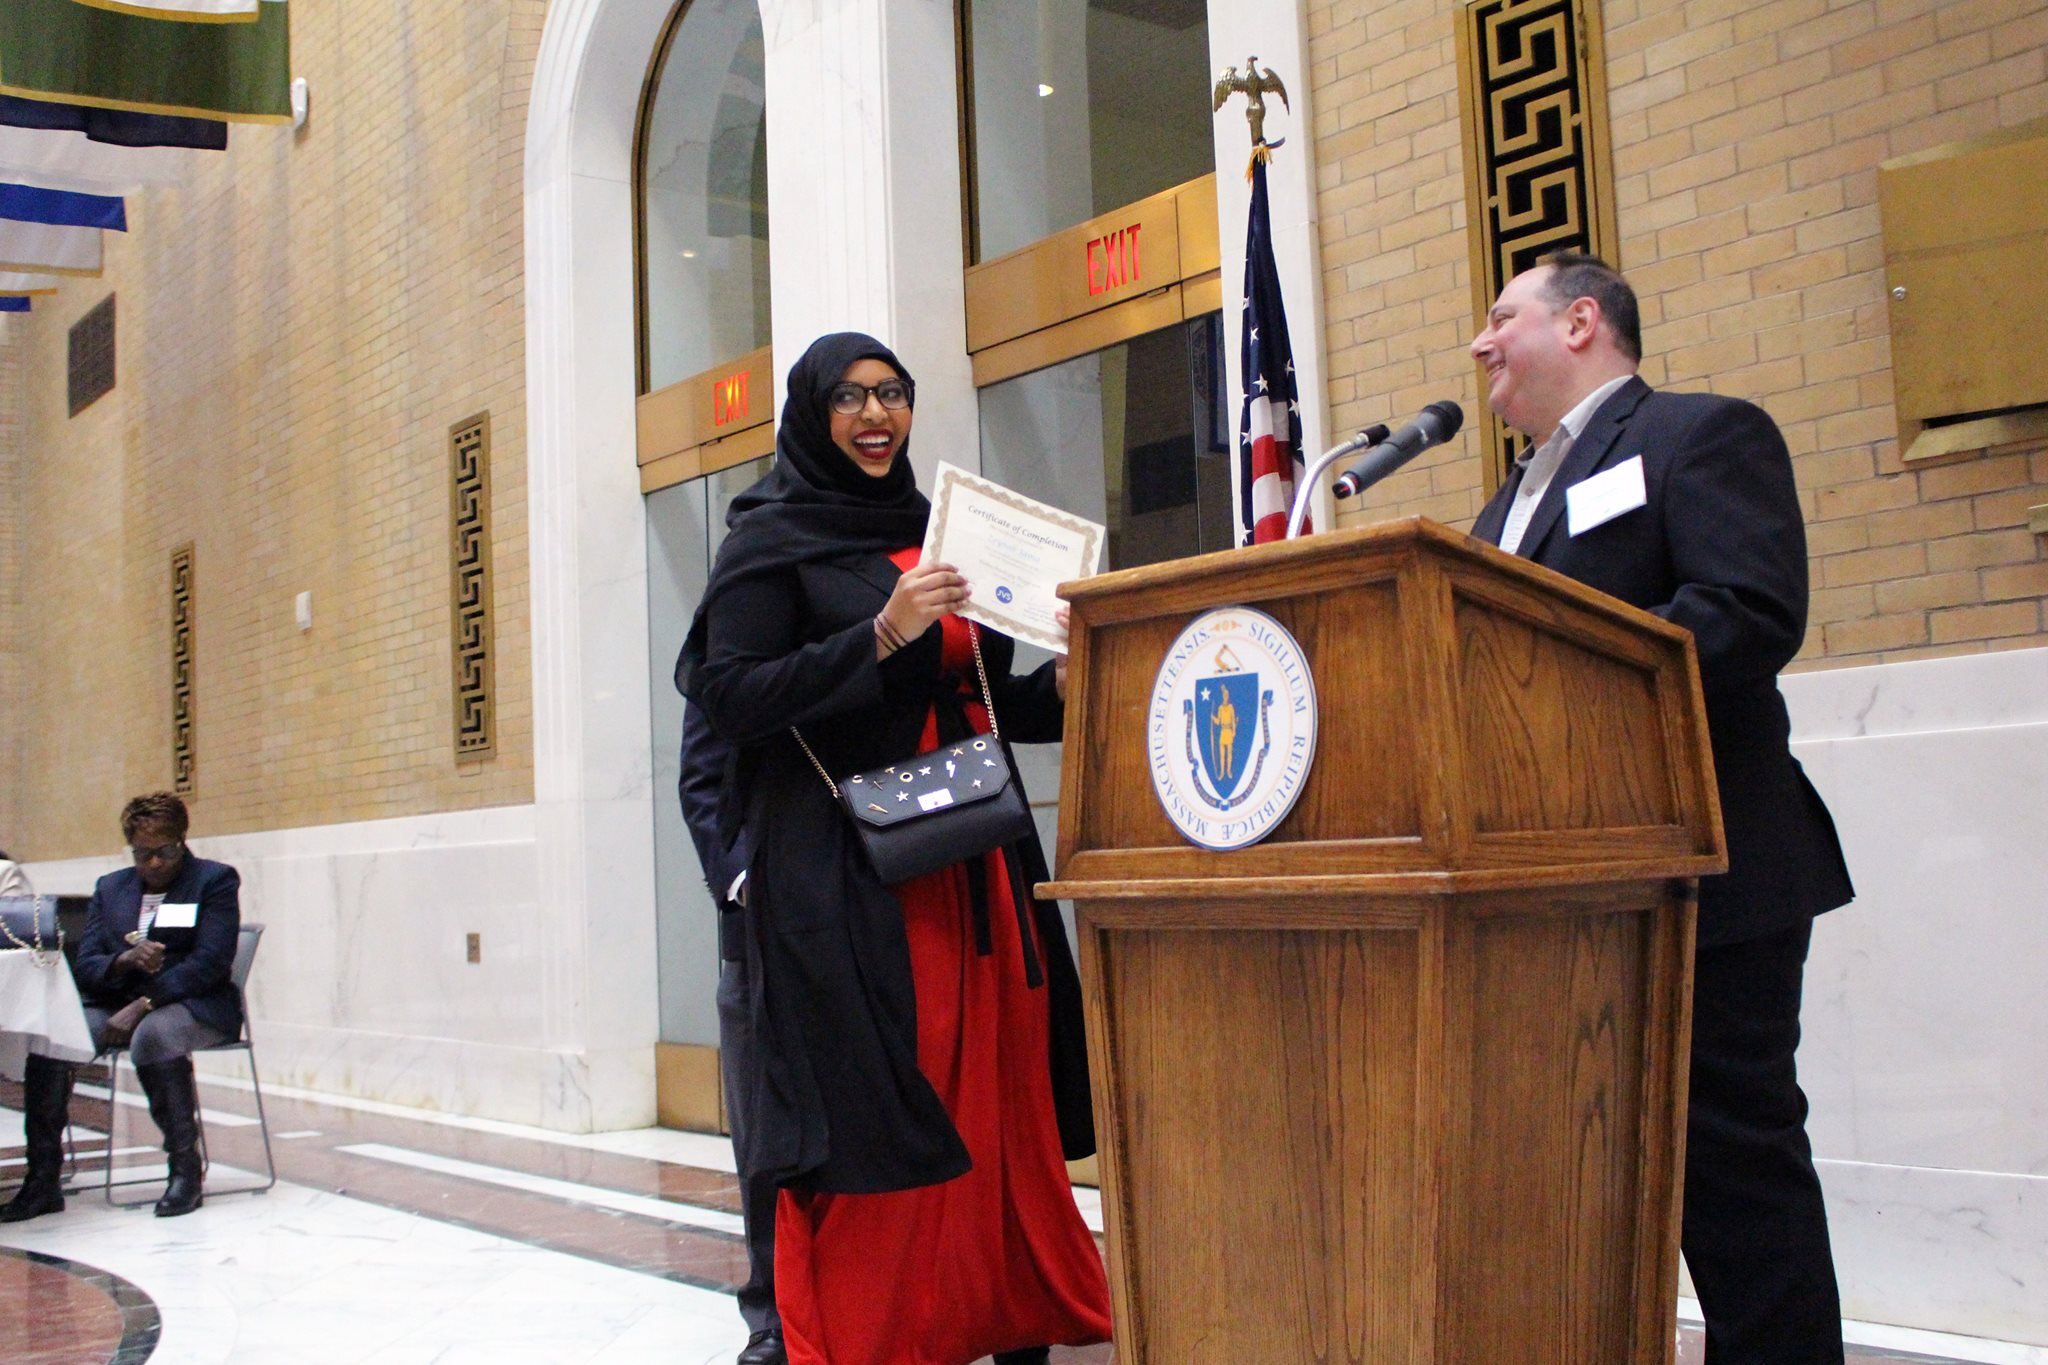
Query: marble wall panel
pixel 1926 1028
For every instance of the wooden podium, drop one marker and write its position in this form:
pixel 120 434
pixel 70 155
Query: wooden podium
pixel 1404 1082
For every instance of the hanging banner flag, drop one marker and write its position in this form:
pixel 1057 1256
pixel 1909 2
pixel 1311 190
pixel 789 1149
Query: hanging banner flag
pixel 29 204
pixel 13 305
pixel 71 161
pixel 75 54
pixel 1269 460
pixel 115 127
pixel 49 248
pixel 19 284
pixel 184 11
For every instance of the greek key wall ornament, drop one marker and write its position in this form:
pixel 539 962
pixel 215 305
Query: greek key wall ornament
pixel 1231 728
pixel 1538 174
pixel 469 446
pixel 184 744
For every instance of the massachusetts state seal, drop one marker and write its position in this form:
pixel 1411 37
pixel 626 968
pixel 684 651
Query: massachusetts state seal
pixel 1231 729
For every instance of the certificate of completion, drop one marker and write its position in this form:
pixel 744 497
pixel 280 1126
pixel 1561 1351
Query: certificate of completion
pixel 1012 550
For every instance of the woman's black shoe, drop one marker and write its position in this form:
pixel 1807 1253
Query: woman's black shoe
pixel 38 1195
pixel 1030 1355
pixel 764 1348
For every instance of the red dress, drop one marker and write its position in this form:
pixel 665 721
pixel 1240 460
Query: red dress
pixel 998 1258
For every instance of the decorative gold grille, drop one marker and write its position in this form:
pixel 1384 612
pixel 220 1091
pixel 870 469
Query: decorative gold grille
pixel 184 747
pixel 1538 175
pixel 469 444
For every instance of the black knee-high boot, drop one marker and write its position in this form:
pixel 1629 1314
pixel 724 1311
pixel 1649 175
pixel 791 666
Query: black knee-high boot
pixel 174 1104
pixel 46 1106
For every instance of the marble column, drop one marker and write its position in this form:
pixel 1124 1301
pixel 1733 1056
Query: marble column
pixel 864 197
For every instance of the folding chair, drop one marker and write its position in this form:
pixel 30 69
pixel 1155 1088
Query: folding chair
pixel 245 957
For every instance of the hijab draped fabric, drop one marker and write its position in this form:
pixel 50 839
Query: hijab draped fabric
pixel 815 504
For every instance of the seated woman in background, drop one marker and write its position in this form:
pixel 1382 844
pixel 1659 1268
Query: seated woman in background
pixel 924 1072
pixel 162 994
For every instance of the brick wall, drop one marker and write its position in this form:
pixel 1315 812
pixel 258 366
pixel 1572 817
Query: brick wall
pixel 1746 142
pixel 299 324
pixel 11 831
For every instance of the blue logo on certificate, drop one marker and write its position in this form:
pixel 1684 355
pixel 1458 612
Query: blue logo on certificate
pixel 1003 594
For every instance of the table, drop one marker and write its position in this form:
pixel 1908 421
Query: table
pixel 39 1004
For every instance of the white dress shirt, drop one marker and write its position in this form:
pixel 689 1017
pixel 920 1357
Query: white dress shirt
pixel 1540 465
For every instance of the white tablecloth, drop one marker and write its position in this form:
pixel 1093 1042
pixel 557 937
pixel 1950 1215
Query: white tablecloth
pixel 39 1004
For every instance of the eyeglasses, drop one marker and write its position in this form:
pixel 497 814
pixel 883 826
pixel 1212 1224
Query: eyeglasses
pixel 164 853
pixel 847 398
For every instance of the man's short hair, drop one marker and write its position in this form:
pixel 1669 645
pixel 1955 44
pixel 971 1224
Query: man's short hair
pixel 158 810
pixel 1575 275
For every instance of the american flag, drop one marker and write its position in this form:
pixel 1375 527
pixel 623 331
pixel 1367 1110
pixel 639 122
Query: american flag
pixel 1269 425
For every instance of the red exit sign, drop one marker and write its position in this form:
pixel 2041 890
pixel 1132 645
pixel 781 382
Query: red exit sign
pixel 729 399
pixel 1113 260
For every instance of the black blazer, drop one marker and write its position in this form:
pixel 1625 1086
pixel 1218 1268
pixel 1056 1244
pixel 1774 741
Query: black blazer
pixel 1718 547
pixel 839 1102
pixel 705 758
pixel 197 961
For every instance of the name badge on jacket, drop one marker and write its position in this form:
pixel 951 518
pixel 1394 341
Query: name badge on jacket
pixel 1600 499
pixel 182 916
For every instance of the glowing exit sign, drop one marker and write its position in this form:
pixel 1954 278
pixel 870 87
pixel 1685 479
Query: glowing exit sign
pixel 729 399
pixel 1113 260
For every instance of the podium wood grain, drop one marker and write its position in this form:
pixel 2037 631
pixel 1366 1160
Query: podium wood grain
pixel 1404 1082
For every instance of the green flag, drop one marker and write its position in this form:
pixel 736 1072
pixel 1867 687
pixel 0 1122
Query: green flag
pixel 79 54
pixel 184 11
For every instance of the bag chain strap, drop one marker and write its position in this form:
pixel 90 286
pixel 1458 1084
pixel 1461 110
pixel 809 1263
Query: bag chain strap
pixel 988 699
pixel 37 953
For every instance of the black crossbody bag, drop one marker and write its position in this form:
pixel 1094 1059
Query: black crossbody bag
pixel 956 802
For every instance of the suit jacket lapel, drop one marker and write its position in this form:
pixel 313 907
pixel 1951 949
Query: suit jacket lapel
pixel 1601 432
pixel 125 912
pixel 1493 518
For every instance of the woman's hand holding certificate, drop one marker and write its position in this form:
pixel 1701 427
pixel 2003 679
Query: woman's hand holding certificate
pixel 1014 551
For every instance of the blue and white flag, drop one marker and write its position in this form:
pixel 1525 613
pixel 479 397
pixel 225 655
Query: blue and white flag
pixel 68 208
pixel 45 247
pixel 20 282
pixel 55 160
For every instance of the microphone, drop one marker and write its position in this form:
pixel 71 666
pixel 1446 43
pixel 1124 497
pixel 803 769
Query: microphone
pixel 1437 423
pixel 1365 439
pixel 1371 436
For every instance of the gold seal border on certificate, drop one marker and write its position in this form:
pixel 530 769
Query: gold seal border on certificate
pixel 1090 533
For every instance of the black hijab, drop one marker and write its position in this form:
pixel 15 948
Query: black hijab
pixel 815 504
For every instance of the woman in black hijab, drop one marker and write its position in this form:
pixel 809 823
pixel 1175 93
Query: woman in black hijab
pixel 925 1075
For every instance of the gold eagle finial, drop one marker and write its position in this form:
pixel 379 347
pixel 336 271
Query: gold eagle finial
pixel 1255 85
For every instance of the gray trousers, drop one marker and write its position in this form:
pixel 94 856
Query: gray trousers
pixel 164 1035
pixel 738 1056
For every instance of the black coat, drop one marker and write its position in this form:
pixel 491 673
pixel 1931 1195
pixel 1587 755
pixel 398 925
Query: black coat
pixel 197 961
pixel 1719 547
pixel 722 851
pixel 843 1105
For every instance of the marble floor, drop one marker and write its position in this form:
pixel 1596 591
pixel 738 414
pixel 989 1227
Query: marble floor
pixel 394 1237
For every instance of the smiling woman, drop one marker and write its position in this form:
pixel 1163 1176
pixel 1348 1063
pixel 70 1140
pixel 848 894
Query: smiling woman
pixel 921 1076
pixel 871 410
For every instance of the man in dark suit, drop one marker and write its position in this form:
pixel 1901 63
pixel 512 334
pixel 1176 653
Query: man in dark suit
pixel 724 852
pixel 1684 505
pixel 154 971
